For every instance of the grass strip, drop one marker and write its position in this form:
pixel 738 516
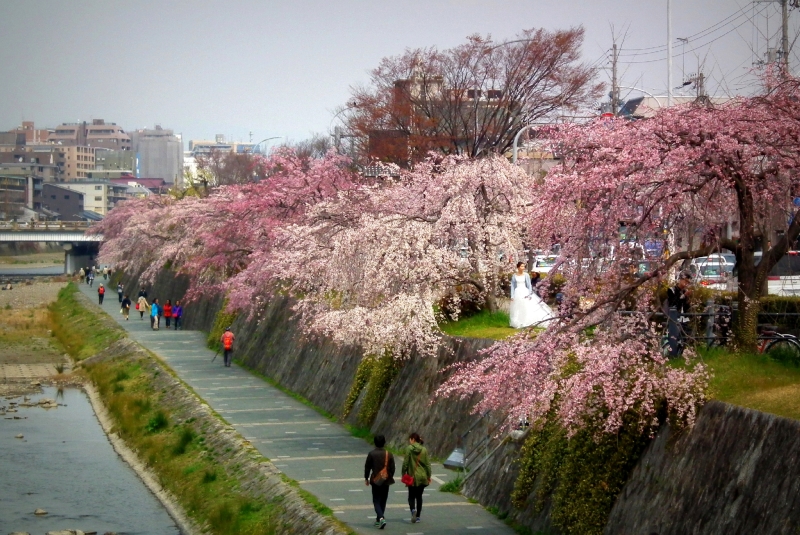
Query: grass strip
pixel 755 381
pixel 79 330
pixel 484 324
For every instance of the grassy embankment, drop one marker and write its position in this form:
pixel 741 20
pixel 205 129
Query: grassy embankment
pixel 173 450
pixel 46 258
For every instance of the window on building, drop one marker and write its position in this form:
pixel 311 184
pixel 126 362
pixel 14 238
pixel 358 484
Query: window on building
pixel 98 198
pixel 52 196
pixel 98 187
pixel 66 196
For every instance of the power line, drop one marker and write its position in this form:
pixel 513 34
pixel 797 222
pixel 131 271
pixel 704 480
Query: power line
pixel 698 47
pixel 661 48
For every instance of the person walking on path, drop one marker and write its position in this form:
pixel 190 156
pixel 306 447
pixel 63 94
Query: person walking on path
pixel 101 293
pixel 82 275
pixel 105 273
pixel 142 293
pixel 167 313
pixel 227 346
pixel 90 277
pixel 126 307
pixel 379 473
pixel 119 291
pixel 155 314
pixel 177 314
pixel 417 465
pixel 142 306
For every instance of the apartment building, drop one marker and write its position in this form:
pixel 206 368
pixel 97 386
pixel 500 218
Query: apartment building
pixel 98 134
pixel 98 196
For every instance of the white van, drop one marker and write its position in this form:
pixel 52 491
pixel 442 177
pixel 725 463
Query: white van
pixel 544 263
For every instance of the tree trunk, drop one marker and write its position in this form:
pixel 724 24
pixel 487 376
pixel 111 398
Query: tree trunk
pixel 491 293
pixel 749 286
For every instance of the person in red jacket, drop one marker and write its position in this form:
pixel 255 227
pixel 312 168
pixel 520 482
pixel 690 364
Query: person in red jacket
pixel 167 312
pixel 101 293
pixel 227 345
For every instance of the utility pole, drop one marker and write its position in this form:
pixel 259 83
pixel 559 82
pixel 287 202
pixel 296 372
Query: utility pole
pixel 614 82
pixel 785 36
pixel 669 53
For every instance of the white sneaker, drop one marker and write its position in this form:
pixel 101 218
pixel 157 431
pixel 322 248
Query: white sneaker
pixel 413 516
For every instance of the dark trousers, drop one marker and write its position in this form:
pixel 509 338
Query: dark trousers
pixel 177 322
pixel 166 319
pixel 380 493
pixel 228 356
pixel 101 296
pixel 674 332
pixel 415 498
pixel 120 297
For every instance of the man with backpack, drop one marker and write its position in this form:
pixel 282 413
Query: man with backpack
pixel 379 472
pixel 101 293
pixel 227 346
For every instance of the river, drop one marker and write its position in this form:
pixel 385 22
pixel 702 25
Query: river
pixel 65 465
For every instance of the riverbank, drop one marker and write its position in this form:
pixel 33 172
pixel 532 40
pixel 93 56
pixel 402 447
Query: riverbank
pixel 222 483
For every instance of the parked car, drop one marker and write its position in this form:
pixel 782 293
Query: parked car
pixel 710 274
pixel 544 263
pixel 727 260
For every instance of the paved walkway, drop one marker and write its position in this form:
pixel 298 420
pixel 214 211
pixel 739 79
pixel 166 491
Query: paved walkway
pixel 321 455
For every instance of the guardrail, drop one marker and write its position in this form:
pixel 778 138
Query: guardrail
pixel 45 225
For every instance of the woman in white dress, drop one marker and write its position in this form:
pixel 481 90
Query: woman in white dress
pixel 527 308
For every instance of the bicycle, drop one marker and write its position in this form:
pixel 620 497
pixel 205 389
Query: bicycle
pixel 779 346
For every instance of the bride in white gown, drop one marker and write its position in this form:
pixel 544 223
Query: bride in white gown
pixel 527 308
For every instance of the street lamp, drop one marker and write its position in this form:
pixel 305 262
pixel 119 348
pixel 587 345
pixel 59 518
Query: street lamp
pixel 263 140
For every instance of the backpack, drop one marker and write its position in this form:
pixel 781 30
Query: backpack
pixel 227 340
pixel 383 475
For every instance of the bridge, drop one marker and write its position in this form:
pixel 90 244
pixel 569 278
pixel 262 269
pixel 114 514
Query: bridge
pixel 79 247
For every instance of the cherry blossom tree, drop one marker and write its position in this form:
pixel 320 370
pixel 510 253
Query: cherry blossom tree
pixel 213 238
pixel 694 169
pixel 371 265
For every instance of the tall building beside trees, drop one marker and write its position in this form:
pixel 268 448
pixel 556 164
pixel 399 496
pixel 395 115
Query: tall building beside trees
pixel 159 154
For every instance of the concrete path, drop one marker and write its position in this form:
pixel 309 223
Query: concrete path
pixel 321 455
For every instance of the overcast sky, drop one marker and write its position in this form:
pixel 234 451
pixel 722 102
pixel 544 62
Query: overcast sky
pixel 281 67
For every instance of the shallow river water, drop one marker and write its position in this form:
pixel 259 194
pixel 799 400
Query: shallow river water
pixel 66 466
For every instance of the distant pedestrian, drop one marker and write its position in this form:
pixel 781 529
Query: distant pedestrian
pixel 177 314
pixel 82 275
pixel 418 466
pixel 142 306
pixel 126 307
pixel 227 346
pixel 105 273
pixel 379 473
pixel 155 315
pixel 167 313
pixel 101 293
pixel 90 277
pixel 142 293
pixel 119 291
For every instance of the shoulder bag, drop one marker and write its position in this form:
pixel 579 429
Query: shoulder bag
pixel 408 479
pixel 383 475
